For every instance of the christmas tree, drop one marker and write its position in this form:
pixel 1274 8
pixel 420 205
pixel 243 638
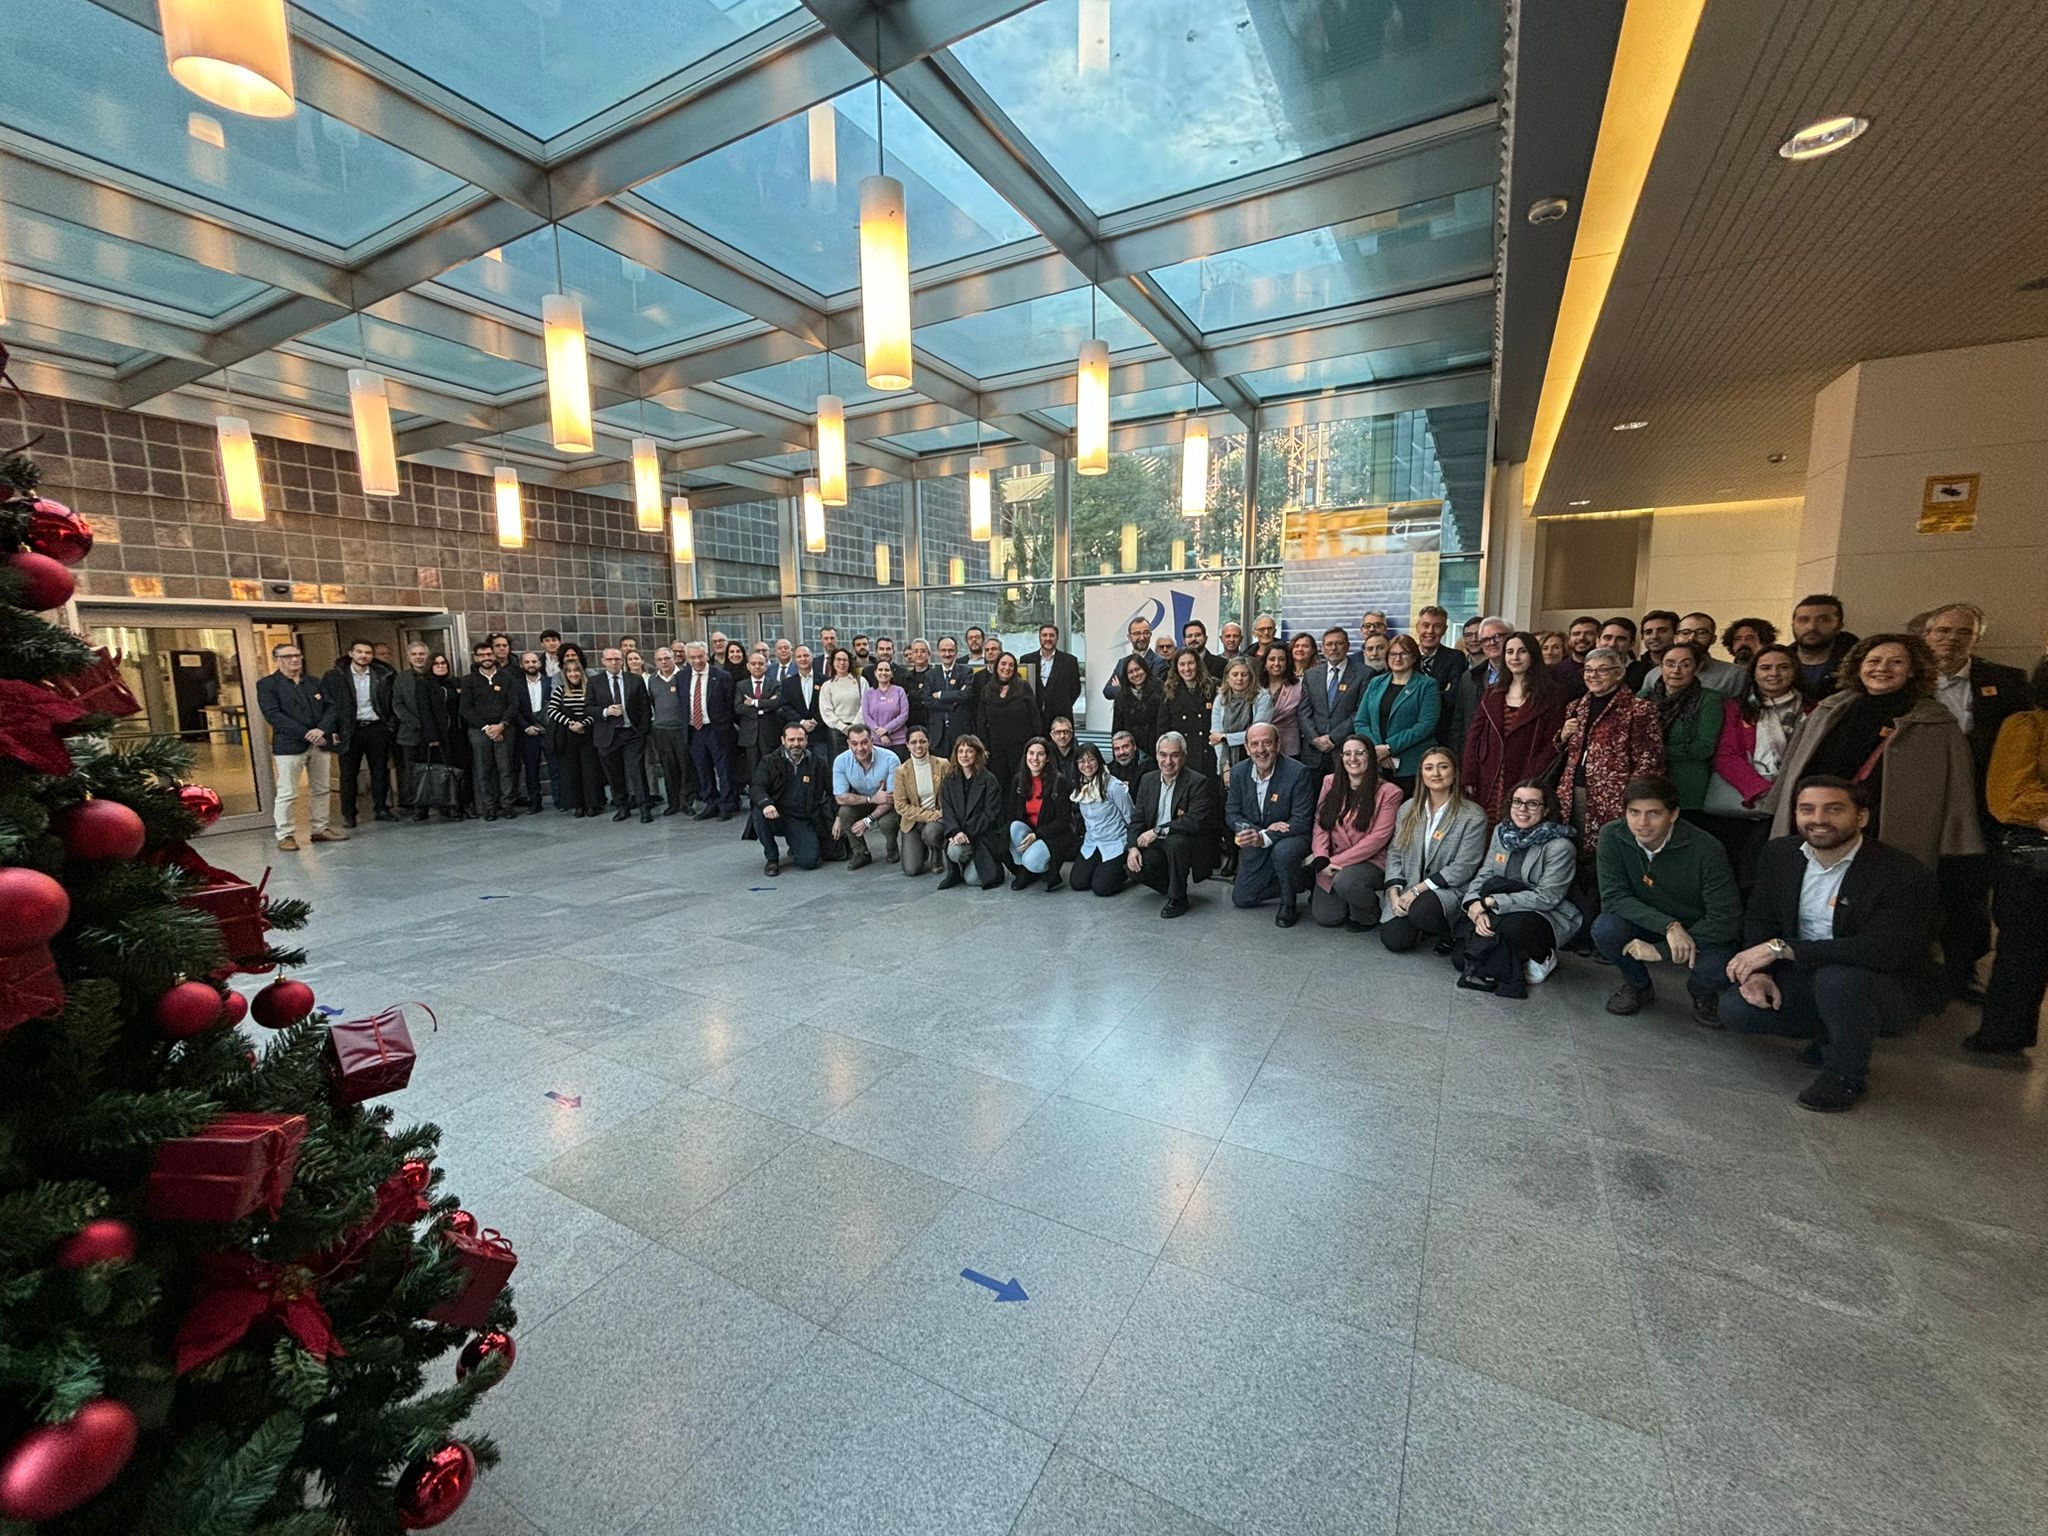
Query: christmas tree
pixel 226 1285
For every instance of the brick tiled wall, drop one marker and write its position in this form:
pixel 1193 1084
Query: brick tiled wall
pixel 151 488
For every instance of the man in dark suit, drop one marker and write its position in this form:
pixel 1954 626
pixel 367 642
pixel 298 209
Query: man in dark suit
pixel 757 720
pixel 1836 923
pixel 1194 636
pixel 948 698
pixel 303 719
pixel 1172 825
pixel 1820 642
pixel 367 724
pixel 1270 811
pixel 1480 676
pixel 624 711
pixel 531 690
pixel 487 716
pixel 821 658
pixel 707 693
pixel 1139 633
pixel 1444 663
pixel 1054 676
pixel 800 701
pixel 1329 700
pixel 792 801
pixel 1982 695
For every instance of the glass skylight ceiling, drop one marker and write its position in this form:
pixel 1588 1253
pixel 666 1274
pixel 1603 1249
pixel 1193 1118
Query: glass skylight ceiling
pixel 1165 96
pixel 624 303
pixel 1423 245
pixel 798 210
pixel 103 91
pixel 58 248
pixel 138 198
pixel 546 65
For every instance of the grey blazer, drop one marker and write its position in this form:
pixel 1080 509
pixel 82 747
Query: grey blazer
pixel 1447 861
pixel 1547 869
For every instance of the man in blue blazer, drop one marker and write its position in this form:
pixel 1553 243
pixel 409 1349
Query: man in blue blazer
pixel 1329 699
pixel 707 706
pixel 1270 813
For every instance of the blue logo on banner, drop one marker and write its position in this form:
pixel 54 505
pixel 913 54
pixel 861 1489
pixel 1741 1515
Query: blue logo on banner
pixel 1153 611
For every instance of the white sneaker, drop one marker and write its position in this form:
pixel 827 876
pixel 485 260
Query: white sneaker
pixel 1538 971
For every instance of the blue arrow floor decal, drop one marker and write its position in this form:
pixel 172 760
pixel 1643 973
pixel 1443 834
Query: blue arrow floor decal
pixel 1006 1290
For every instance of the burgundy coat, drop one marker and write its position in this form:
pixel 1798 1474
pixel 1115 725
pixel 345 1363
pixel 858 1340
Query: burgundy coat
pixel 1504 747
pixel 1627 743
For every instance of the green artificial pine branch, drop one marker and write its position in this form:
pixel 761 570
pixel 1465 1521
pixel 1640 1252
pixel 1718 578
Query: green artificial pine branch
pixel 265 1439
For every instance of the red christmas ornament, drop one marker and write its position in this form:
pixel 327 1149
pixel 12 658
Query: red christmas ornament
pixel 418 1173
pixel 188 1010
pixel 45 584
pixel 201 801
pixel 282 1003
pixel 461 1223
pixel 54 1468
pixel 483 1347
pixel 106 1241
pixel 433 1487
pixel 33 909
pixel 57 531
pixel 235 1008
pixel 101 829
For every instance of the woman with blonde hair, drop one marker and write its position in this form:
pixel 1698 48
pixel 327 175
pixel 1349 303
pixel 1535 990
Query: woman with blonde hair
pixel 1437 846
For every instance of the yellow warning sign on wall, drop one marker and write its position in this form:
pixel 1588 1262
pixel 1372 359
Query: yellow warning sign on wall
pixel 1949 504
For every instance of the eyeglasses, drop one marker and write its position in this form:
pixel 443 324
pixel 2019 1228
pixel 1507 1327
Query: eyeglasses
pixel 1524 803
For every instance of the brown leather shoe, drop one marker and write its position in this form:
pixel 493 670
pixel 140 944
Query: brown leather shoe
pixel 288 843
pixel 1628 999
pixel 330 836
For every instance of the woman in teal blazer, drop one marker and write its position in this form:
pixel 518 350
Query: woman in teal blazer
pixel 1398 712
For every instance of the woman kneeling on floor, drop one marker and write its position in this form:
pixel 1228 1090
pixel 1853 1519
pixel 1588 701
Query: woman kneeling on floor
pixel 1518 907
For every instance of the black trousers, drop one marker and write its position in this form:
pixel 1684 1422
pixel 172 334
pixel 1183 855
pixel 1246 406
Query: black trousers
pixel 1518 937
pixel 672 751
pixel 2019 971
pixel 1963 923
pixel 582 781
pixel 369 742
pixel 403 760
pixel 1167 864
pixel 493 768
pixel 1842 1006
pixel 625 769
pixel 711 759
pixel 1103 876
pixel 1429 916
pixel 532 753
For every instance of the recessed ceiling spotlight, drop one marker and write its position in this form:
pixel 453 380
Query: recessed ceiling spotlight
pixel 1775 458
pixel 1823 137
pixel 1548 210
pixel 1630 426
pixel 1587 503
pixel 2035 284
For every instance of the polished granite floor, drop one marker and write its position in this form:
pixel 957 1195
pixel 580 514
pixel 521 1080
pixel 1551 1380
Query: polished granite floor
pixel 1312 1242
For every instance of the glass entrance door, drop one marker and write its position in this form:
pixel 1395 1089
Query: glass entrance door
pixel 192 683
pixel 744 622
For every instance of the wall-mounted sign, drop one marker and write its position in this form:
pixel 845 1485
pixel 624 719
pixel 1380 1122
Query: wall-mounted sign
pixel 663 609
pixel 1949 504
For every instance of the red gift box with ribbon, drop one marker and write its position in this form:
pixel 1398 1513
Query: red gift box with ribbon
pixel 487 1262
pixel 229 1168
pixel 30 987
pixel 372 1056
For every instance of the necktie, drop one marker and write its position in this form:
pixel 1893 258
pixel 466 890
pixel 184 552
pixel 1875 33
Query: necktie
pixel 696 699
pixel 1332 675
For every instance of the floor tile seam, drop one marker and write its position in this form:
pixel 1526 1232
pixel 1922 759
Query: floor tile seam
pixel 809 1129
pixel 1524 1389
pixel 1550 1235
pixel 933 1382
pixel 1388 1185
pixel 592 1284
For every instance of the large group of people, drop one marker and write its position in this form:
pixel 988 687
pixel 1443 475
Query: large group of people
pixel 1817 834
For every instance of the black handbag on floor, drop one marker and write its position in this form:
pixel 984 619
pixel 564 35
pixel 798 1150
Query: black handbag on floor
pixel 1488 957
pixel 436 786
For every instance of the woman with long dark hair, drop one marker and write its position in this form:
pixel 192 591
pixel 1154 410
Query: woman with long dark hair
pixel 573 726
pixel 1184 706
pixel 1007 717
pixel 1279 700
pixel 1755 731
pixel 971 810
pixel 1514 730
pixel 1348 845
pixel 839 697
pixel 1137 703
pixel 1044 826
pixel 1104 805
pixel 1689 715
pixel 438 703
pixel 1517 908
pixel 734 661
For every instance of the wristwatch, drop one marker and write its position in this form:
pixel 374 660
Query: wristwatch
pixel 1779 949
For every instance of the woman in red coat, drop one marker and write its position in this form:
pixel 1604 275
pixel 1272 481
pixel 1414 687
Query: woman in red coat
pixel 1513 735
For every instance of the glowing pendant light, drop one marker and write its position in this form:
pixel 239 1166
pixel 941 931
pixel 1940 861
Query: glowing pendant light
pixel 236 54
pixel 1092 55
pixel 956 571
pixel 568 354
pixel 822 125
pixel 1194 469
pixel 646 485
pixel 1091 413
pixel 814 517
pixel 1180 554
pixel 239 472
pixel 376 454
pixel 682 533
pixel 884 265
pixel 1128 547
pixel 881 565
pixel 980 511
pixel 831 445
pixel 511 516
pixel 998 554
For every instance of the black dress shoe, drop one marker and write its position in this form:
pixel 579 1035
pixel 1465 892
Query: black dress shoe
pixel 419 815
pixel 348 821
pixel 771 867
pixel 672 810
pixel 1472 982
pixel 386 816
pixel 1024 878
pixel 1830 1094
pixel 620 815
pixel 1444 946
pixel 952 878
pixel 646 818
pixel 1176 908
pixel 704 815
pixel 490 815
pixel 1975 1043
pixel 1286 917
pixel 725 815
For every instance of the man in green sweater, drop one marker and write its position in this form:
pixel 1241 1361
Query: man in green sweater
pixel 1666 894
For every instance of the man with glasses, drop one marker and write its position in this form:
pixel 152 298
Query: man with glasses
pixel 303 719
pixel 1482 675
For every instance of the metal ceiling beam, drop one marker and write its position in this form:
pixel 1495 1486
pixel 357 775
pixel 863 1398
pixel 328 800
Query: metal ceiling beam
pixel 1364 327
pixel 664 244
pixel 1465 386
pixel 330 75
pixel 908 30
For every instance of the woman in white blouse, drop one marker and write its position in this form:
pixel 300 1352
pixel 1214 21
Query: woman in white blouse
pixel 839 698
pixel 921 842
pixel 1105 806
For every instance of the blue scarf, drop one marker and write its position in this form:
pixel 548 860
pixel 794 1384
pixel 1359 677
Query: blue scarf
pixel 1517 840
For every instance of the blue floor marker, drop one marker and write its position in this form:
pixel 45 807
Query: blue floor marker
pixel 567 1101
pixel 1006 1290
